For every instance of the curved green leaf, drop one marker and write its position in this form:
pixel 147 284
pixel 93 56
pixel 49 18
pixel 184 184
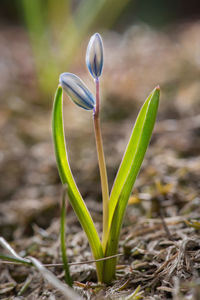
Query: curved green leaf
pixel 128 171
pixel 135 150
pixel 67 178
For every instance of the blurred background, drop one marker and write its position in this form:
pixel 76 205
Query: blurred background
pixel 146 43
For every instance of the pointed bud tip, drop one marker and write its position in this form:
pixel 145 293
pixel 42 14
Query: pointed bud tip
pixel 94 55
pixel 97 35
pixel 157 88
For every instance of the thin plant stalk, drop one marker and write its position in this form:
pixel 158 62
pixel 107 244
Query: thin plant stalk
pixel 68 278
pixel 102 167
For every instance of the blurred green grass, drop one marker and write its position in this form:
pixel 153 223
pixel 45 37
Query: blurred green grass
pixel 56 30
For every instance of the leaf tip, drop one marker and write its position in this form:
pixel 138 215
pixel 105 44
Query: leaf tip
pixel 157 88
pixel 156 91
pixel 59 87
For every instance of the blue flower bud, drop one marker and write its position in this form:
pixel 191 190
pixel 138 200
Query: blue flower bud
pixel 77 90
pixel 94 55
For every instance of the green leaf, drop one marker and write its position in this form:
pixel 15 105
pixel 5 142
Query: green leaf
pixel 193 223
pixel 127 174
pixel 13 254
pixel 68 278
pixel 136 148
pixel 67 178
pixel 14 259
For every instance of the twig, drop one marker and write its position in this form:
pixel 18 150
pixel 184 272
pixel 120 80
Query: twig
pixel 160 210
pixel 17 262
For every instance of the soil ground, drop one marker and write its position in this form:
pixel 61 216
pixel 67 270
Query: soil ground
pixel 160 242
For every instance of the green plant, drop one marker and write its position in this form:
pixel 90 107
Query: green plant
pixel 114 206
pixel 68 278
pixel 53 26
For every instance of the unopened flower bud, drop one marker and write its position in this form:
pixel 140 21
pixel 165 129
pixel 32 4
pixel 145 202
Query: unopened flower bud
pixel 94 55
pixel 77 90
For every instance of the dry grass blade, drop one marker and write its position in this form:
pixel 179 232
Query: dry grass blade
pixel 67 292
pixel 10 250
pixel 136 295
pixel 25 286
pixel 10 260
